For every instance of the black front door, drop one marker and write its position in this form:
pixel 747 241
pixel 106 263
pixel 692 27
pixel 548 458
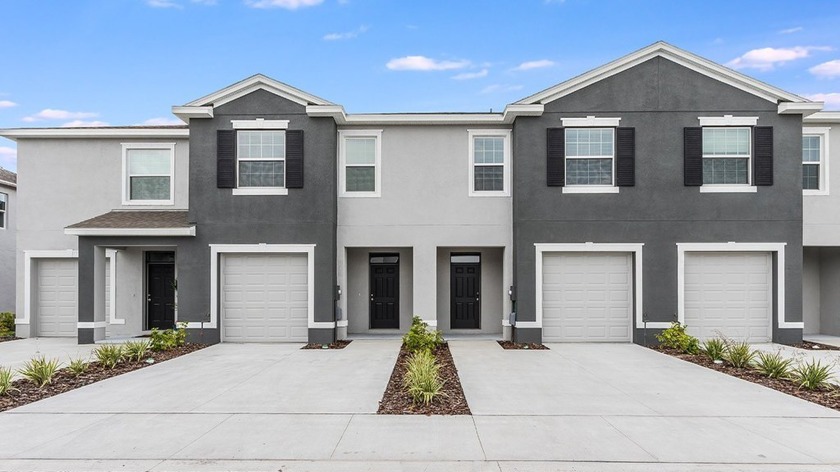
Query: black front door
pixel 465 291
pixel 160 285
pixel 384 291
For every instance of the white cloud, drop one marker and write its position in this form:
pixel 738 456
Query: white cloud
pixel 827 70
pixel 163 4
pixel 84 124
pixel 791 30
pixel 424 63
pixel 498 88
pixel 8 158
pixel 832 100
pixel 287 4
pixel 347 35
pixel 162 121
pixel 534 64
pixel 767 58
pixel 52 114
pixel 471 75
pixel 7 104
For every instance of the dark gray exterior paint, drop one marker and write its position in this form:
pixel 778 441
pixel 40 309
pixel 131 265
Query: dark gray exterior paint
pixel 658 98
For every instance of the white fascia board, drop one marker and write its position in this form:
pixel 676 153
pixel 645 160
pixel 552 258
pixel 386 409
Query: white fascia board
pixel 590 122
pixel 341 118
pixel 800 108
pixel 21 133
pixel 335 112
pixel 8 184
pixel 822 116
pixel 187 113
pixel 513 111
pixel 258 82
pixel 130 231
pixel 728 120
pixel 259 123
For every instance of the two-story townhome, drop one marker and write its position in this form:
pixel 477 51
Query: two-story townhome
pixel 821 224
pixel 8 218
pixel 659 187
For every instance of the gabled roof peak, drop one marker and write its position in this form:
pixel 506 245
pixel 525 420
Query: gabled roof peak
pixel 257 82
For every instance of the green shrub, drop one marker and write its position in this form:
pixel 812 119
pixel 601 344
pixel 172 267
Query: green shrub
pixel 39 370
pixel 422 377
pixel 419 338
pixel 812 375
pixel 109 355
pixel 773 365
pixel 77 367
pixel 163 340
pixel 675 337
pixel 714 349
pixel 739 354
pixel 6 381
pixel 136 350
pixel 7 324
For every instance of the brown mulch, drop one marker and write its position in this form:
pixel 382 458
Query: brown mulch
pixel 8 338
pixel 812 346
pixel 526 346
pixel 827 398
pixel 397 401
pixel 64 381
pixel 340 344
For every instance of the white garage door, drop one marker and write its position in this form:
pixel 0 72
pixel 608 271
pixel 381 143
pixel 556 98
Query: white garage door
pixel 587 297
pixel 729 293
pixel 56 298
pixel 264 297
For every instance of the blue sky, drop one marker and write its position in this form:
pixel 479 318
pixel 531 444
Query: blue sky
pixel 126 62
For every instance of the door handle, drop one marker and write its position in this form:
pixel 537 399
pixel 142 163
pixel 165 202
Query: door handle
pixel 149 297
pixel 477 296
pixel 371 297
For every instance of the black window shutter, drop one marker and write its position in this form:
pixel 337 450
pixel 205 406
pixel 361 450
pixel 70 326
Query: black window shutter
pixel 555 157
pixel 693 157
pixel 226 158
pixel 763 157
pixel 294 158
pixel 625 164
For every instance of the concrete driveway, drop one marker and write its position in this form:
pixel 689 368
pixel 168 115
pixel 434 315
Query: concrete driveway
pixel 14 354
pixel 275 407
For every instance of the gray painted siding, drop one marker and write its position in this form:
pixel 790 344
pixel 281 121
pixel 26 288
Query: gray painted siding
pixel 304 216
pixel 7 252
pixel 659 98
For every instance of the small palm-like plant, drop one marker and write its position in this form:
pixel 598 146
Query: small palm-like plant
pixel 109 355
pixel 773 365
pixel 812 375
pixel 422 377
pixel 39 370
pixel 77 367
pixel 6 381
pixel 739 354
pixel 136 350
pixel 714 349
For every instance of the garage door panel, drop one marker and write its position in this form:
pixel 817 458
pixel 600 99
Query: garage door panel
pixel 57 292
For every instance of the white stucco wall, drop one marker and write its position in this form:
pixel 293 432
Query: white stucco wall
pixel 821 213
pixel 7 251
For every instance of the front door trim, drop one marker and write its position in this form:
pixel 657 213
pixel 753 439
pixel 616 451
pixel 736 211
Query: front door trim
pixel 383 259
pixel 471 259
pixel 150 265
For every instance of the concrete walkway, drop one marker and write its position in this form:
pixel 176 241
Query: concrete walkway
pixel 14 354
pixel 276 407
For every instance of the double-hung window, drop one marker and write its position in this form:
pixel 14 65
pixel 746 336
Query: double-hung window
pixel 590 156
pixel 726 156
pixel 148 173
pixel 360 159
pixel 4 201
pixel 261 158
pixel 489 162
pixel 814 162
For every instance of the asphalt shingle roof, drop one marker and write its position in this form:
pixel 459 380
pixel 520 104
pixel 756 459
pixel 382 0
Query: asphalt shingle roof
pixel 137 219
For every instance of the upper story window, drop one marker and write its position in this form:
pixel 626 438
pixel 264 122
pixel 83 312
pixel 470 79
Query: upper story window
pixel 584 155
pixel 489 162
pixel 815 161
pixel 148 173
pixel 4 199
pixel 726 156
pixel 590 154
pixel 261 158
pixel 360 163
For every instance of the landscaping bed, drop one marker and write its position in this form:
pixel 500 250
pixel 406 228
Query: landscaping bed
pixel 339 344
pixel 812 346
pixel 451 400
pixel 7 338
pixel 526 346
pixel 27 392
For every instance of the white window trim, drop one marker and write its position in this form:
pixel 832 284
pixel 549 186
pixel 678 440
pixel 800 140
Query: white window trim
pixel 259 190
pixel 4 219
pixel 219 249
pixel 578 188
pixel 342 162
pixel 259 124
pixel 506 166
pixel 823 134
pixel 634 248
pixel 728 121
pixel 731 188
pixel 126 200
pixel 778 248
pixel 590 122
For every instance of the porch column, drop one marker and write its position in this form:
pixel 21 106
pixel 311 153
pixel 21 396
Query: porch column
pixel 425 283
pixel 91 302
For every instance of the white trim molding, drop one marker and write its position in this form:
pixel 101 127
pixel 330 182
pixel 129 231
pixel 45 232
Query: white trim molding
pixel 731 188
pixel 506 163
pixel 337 113
pixel 100 132
pixel 189 231
pixel 778 248
pixel 590 122
pixel 27 276
pixel 217 250
pixel 633 248
pixel 111 255
pixel 800 108
pixel 728 120
pixel 590 189
pixel 260 191
pixel 91 324
pixel 376 134
pixel 260 123
pixel 823 134
pixel 126 173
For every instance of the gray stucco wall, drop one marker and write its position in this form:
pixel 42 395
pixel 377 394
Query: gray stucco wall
pixel 7 252
pixel 659 98
pixel 357 292
pixel 491 295
pixel 304 216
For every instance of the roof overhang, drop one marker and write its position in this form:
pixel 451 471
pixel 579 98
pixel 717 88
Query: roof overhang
pixel 190 231
pixel 78 133
pixel 8 184
pixel 186 113
pixel 823 116
pixel 341 118
pixel 800 108
pixel 662 49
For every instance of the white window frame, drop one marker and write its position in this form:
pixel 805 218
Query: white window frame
pixel 730 121
pixel 259 124
pixel 342 162
pixel 590 122
pixel 506 172
pixel 4 220
pixel 823 134
pixel 126 177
